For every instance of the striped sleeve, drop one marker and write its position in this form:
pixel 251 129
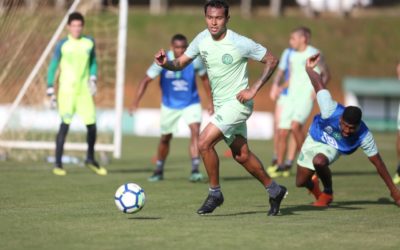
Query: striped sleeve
pixel 55 61
pixel 368 145
pixel 93 60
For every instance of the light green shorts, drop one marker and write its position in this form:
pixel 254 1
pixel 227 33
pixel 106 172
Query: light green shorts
pixel 311 148
pixel 231 119
pixel 281 100
pixel 297 110
pixel 76 103
pixel 170 117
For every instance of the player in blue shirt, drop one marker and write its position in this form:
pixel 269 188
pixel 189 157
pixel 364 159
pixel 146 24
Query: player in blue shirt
pixel 336 130
pixel 180 99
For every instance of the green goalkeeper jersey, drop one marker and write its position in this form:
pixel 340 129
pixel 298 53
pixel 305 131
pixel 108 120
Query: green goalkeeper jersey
pixel 77 61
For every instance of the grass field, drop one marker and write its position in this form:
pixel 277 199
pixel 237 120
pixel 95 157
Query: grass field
pixel 42 211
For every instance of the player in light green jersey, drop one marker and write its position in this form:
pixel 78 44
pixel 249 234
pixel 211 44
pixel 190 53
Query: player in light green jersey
pixel 225 55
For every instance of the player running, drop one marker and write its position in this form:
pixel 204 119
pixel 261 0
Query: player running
pixel 336 130
pixel 180 99
pixel 279 94
pixel 76 57
pixel 300 99
pixel 225 54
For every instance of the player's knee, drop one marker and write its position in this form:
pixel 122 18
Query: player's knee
pixel 241 157
pixel 202 144
pixel 194 130
pixel 283 133
pixel 300 182
pixel 320 161
pixel 296 126
pixel 165 139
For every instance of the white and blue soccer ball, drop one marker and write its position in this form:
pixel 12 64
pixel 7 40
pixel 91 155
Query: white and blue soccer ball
pixel 130 198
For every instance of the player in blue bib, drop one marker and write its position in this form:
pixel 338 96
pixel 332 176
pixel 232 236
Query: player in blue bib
pixel 180 99
pixel 335 131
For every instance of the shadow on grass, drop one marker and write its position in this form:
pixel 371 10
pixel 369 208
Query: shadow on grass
pixel 345 205
pixel 238 178
pixel 236 214
pixel 145 218
pixel 131 170
pixel 350 173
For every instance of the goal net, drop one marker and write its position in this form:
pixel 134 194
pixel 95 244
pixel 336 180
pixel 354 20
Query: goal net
pixel 29 31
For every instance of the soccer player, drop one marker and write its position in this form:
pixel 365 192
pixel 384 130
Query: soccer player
pixel 180 99
pixel 225 54
pixel 336 130
pixel 75 56
pixel 278 94
pixel 300 98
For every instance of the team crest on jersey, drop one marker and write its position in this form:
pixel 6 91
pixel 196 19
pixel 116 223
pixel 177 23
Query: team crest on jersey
pixel 227 59
pixel 328 129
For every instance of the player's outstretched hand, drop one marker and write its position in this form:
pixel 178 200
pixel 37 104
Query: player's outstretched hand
pixel 396 197
pixel 133 107
pixel 245 95
pixel 160 57
pixel 313 61
pixel 275 92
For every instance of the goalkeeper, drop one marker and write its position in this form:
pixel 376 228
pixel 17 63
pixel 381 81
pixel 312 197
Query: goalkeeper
pixel 76 58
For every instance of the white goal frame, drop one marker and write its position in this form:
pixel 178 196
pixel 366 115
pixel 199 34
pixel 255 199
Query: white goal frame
pixel 116 145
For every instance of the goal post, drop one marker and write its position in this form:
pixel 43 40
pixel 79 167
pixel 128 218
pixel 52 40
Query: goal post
pixel 110 33
pixel 120 76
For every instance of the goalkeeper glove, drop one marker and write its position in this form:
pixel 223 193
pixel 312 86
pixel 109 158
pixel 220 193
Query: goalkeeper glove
pixel 52 96
pixel 92 85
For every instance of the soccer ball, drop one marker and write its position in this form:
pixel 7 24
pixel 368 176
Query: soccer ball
pixel 130 198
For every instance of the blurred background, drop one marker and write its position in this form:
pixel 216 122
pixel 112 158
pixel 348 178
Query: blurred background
pixel 359 39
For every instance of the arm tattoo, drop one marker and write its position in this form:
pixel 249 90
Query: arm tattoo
pixel 270 65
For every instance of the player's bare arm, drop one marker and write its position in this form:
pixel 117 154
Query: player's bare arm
pixel 276 87
pixel 206 83
pixel 380 166
pixel 174 65
pixel 325 73
pixel 316 79
pixel 270 62
pixel 139 93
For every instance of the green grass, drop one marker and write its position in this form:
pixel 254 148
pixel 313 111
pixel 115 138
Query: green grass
pixel 42 211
